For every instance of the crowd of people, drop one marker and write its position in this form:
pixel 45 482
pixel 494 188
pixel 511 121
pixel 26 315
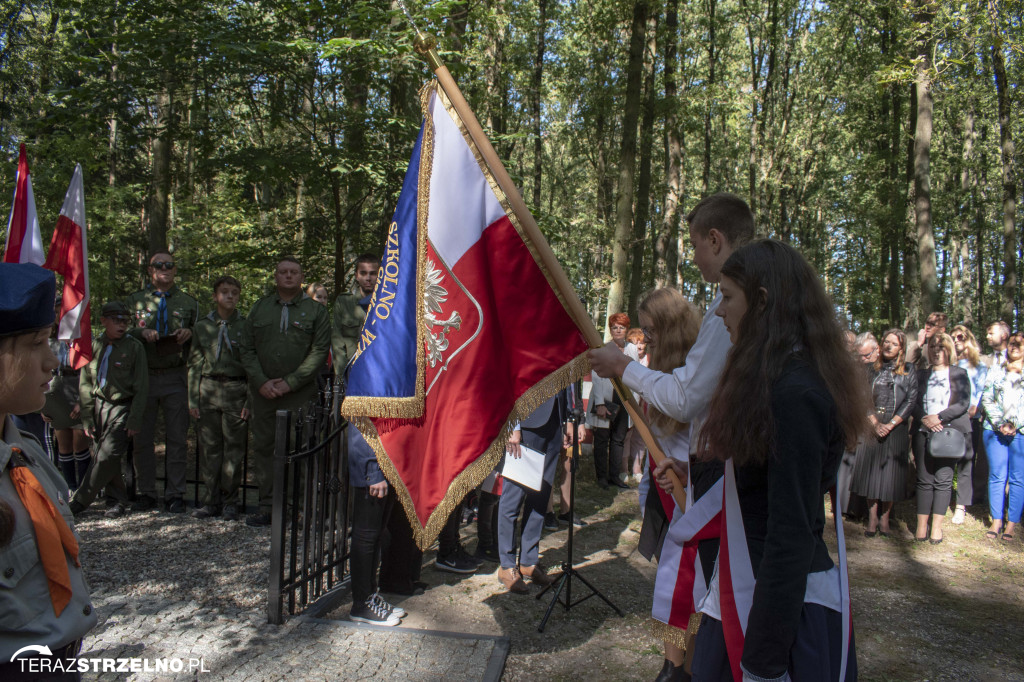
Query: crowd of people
pixel 762 407
pixel 945 429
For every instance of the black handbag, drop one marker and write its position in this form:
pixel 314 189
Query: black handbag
pixel 947 444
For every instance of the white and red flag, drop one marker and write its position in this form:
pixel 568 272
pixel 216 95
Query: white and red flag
pixel 24 243
pixel 69 257
pixel 467 330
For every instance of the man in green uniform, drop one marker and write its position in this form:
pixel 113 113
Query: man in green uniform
pixel 113 393
pixel 218 396
pixel 349 315
pixel 284 344
pixel 164 317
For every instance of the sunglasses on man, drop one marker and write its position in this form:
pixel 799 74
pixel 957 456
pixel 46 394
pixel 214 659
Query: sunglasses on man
pixel 162 265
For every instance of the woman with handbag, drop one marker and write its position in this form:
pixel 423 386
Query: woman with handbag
pixel 941 435
pixel 880 469
pixel 1003 401
pixel 968 356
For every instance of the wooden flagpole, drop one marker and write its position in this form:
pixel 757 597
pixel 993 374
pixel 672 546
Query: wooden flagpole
pixel 425 46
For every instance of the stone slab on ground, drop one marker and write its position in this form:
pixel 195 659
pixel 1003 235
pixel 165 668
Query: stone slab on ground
pixel 221 645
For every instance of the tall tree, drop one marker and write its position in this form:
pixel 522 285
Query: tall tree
pixel 923 76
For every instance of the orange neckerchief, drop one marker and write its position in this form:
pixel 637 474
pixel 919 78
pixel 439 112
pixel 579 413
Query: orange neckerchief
pixel 53 537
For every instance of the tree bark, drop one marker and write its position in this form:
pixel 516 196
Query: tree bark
pixel 163 140
pixel 643 188
pixel 667 250
pixel 536 86
pixel 627 161
pixel 922 160
pixel 709 94
pixel 1006 148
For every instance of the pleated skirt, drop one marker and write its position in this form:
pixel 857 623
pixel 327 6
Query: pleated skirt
pixel 880 470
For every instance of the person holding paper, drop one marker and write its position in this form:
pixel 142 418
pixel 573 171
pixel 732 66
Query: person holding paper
pixel 544 431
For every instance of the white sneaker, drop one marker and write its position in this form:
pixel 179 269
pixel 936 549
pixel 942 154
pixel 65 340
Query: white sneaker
pixel 959 515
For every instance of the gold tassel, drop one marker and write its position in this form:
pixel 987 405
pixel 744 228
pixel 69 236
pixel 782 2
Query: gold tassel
pixel 664 632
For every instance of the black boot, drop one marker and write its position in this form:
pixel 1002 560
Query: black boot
pixel 670 673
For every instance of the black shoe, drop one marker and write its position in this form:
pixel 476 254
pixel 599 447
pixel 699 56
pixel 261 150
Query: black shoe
pixel 373 613
pixel 76 508
pixel 671 673
pixel 205 512
pixel 486 553
pixel 144 503
pixel 115 512
pixel 456 562
pixel 260 519
pixel 175 505
pixel 576 520
pixel 230 513
pixel 617 483
pixel 550 521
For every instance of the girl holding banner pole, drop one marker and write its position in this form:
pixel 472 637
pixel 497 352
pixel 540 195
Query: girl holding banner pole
pixel 790 400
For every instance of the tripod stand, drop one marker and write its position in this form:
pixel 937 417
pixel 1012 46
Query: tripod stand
pixel 564 580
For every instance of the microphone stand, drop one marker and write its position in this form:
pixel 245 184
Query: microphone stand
pixel 564 580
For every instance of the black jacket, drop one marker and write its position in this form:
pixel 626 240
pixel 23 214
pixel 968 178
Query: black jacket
pixel 955 415
pixel 783 509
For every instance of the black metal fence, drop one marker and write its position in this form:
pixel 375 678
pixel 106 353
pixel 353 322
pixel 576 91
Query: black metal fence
pixel 309 520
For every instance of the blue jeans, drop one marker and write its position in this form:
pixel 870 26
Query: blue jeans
pixel 1005 463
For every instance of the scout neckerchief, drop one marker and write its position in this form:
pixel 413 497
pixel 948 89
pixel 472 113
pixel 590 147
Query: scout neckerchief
pixel 223 340
pixel 53 537
pixel 101 374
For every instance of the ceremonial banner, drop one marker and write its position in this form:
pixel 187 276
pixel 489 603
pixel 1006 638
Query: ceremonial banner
pixel 465 334
pixel 24 243
pixel 69 257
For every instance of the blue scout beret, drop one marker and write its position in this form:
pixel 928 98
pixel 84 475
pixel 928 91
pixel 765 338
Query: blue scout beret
pixel 26 298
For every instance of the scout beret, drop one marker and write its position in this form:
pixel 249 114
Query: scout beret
pixel 26 298
pixel 115 309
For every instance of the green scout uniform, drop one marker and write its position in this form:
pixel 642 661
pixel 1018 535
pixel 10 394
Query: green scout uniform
pixel 62 396
pixel 167 385
pixel 217 388
pixel 281 341
pixel 348 320
pixel 26 611
pixel 110 410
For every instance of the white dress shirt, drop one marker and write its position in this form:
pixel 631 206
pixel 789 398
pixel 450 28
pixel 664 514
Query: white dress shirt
pixel 685 394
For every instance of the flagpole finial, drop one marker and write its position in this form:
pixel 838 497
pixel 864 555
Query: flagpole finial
pixel 426 45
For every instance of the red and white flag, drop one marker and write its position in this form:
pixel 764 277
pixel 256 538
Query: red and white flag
pixel 69 257
pixel 24 243
pixel 465 332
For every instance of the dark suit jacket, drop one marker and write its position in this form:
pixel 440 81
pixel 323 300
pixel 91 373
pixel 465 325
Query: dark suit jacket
pixel 955 415
pixel 542 429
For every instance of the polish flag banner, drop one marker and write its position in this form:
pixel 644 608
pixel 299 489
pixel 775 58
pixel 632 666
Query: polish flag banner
pixel 69 257
pixel 466 332
pixel 24 243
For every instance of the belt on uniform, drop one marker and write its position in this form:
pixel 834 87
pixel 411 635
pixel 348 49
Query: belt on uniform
pixel 125 401
pixel 68 372
pixel 223 377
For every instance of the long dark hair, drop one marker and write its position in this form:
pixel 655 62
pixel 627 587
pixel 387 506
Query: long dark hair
pixel 787 310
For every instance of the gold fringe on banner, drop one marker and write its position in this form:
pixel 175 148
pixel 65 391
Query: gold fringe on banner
pixel 663 632
pixel 477 470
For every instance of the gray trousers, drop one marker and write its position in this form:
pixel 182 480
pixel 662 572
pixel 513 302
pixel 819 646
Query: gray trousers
pixel 533 503
pixel 111 443
pixel 168 392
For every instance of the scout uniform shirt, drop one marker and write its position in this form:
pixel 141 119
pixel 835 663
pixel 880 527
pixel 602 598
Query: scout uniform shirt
pixel 348 320
pixel 288 345
pixel 26 610
pixel 213 353
pixel 127 380
pixel 182 313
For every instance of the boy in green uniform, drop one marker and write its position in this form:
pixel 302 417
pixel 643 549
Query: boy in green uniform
pixel 284 344
pixel 164 317
pixel 218 396
pixel 113 397
pixel 349 315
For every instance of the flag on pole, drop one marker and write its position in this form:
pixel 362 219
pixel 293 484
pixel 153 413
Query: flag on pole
pixel 69 257
pixel 466 331
pixel 24 243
